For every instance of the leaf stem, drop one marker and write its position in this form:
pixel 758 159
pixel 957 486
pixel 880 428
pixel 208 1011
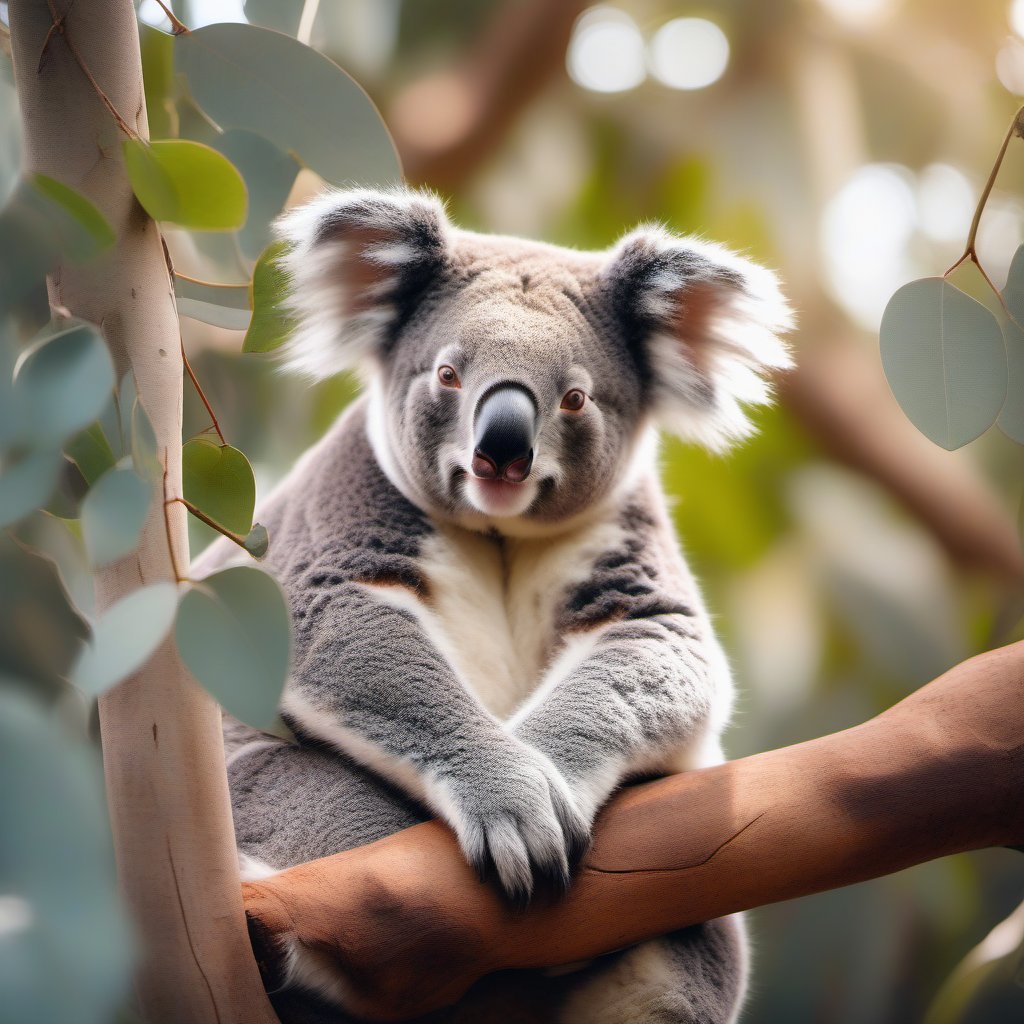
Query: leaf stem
pixel 177 27
pixel 201 393
pixel 970 253
pixel 212 523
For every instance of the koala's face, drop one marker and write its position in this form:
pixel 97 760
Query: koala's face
pixel 504 398
pixel 512 382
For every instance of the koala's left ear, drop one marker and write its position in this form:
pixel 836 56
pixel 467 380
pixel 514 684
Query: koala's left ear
pixel 705 324
pixel 358 263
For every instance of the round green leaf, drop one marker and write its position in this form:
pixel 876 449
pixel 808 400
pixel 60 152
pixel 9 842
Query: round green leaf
pixel 944 358
pixel 186 183
pixel 269 175
pixel 65 946
pixel 26 484
pixel 112 515
pixel 64 382
pixel 91 452
pixel 234 635
pixel 125 637
pixel 271 323
pixel 80 209
pixel 1011 419
pixel 268 83
pixel 218 480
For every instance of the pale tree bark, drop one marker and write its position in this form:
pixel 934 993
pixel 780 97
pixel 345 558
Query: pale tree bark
pixel 162 746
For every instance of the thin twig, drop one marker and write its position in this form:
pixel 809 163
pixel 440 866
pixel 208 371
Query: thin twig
pixel 970 248
pixel 58 27
pixel 177 27
pixel 201 393
pixel 178 578
pixel 212 523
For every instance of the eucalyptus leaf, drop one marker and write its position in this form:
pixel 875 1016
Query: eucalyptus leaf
pixel 125 637
pixel 145 456
pixel 26 483
pixel 269 175
pixel 1011 418
pixel 157 51
pixel 66 951
pixel 945 361
pixel 40 629
pixel 91 452
pixel 186 183
pixel 271 324
pixel 268 83
pixel 113 513
pixel 64 381
pixel 219 481
pixel 223 305
pixel 233 632
pixel 45 222
pixel 218 316
pixel 99 234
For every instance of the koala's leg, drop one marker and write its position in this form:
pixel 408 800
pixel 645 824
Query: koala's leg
pixel 293 803
pixel 693 976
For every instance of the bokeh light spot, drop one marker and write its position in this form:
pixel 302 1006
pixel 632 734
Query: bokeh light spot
pixel 606 52
pixel 945 203
pixel 866 231
pixel 689 53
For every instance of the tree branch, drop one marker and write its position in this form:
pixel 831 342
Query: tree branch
pixel 939 773
pixel 446 125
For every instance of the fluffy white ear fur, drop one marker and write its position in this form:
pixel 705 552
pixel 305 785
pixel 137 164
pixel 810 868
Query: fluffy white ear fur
pixel 710 322
pixel 356 261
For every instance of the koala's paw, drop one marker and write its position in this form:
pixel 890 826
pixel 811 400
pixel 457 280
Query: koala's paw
pixel 516 818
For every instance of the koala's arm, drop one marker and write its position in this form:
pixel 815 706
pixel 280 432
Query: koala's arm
pixel 369 680
pixel 641 685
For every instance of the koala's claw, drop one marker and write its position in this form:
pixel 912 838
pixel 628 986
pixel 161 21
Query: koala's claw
pixel 520 826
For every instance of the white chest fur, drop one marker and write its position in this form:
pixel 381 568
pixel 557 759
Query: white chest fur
pixel 493 604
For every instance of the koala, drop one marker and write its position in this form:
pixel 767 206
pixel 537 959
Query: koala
pixel 493 620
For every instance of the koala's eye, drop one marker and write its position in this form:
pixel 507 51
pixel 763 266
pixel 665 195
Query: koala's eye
pixel 448 377
pixel 574 400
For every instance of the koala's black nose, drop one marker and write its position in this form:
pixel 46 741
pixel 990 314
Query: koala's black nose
pixel 503 434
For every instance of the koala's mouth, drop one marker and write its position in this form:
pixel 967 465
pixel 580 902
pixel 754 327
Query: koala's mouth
pixel 497 497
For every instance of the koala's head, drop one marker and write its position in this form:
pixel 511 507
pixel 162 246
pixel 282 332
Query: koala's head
pixel 511 381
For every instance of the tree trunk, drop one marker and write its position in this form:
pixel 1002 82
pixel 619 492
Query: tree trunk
pixel 162 746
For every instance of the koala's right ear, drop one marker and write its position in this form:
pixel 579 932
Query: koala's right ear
pixel 358 262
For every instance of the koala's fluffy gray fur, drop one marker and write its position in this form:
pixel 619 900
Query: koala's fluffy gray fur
pixel 500 652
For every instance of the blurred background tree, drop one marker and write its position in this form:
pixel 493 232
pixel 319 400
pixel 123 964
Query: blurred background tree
pixel 846 558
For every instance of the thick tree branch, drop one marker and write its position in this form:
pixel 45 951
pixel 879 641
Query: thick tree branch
pixel 446 125
pixel 939 773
